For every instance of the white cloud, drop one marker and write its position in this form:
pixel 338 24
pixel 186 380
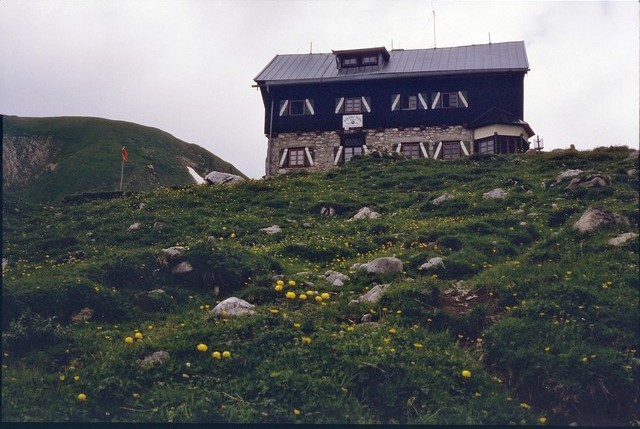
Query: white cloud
pixel 187 66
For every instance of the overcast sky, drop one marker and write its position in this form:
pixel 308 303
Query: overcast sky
pixel 187 66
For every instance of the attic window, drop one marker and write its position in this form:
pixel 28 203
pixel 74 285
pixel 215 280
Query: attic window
pixel 370 60
pixel 350 62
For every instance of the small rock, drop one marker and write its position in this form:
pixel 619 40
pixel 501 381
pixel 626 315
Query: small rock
pixel 233 307
pixel 442 198
pixel 174 251
pixel 367 318
pixel 622 239
pixel 335 278
pixel 219 178
pixel 567 174
pixel 274 229
pixel 153 300
pixel 141 206
pixel 373 295
pixel 84 314
pixel 158 225
pixel 590 181
pixel 432 263
pixel 496 194
pixel 5 262
pixel 182 268
pixel 365 213
pixel 383 265
pixel 597 217
pixel 134 226
pixel 307 225
pixel 633 156
pixel 154 359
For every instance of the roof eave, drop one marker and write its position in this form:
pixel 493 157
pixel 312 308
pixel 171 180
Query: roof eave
pixel 382 75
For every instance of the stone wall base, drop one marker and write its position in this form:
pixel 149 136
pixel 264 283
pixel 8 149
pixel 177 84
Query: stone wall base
pixel 324 146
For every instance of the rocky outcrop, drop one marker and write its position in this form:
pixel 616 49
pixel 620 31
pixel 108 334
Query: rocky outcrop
pixel 597 217
pixel 219 178
pixel 26 158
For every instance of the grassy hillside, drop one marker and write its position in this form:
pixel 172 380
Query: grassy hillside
pixel 528 322
pixel 87 159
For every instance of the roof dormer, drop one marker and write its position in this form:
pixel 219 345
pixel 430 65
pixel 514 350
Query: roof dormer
pixel 368 57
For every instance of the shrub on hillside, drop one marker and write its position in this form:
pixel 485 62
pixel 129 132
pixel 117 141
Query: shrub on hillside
pixel 32 331
pixel 227 266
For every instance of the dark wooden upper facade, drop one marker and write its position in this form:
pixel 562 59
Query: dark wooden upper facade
pixel 418 88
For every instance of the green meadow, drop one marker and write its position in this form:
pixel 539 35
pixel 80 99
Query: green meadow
pixel 529 322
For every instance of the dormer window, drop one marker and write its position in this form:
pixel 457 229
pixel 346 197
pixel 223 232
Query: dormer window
pixel 361 57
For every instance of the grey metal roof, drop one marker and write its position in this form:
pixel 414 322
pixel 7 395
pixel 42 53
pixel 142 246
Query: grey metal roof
pixel 299 68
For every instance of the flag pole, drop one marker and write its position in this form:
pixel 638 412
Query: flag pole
pixel 121 174
pixel 124 159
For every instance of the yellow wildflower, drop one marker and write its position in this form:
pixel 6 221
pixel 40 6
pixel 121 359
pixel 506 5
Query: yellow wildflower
pixel 291 295
pixel 202 347
pixel 466 373
pixel 216 355
pixel 138 335
pixel 82 397
pixel 226 354
pixel 302 297
pixel 292 283
pixel 325 296
pixel 128 340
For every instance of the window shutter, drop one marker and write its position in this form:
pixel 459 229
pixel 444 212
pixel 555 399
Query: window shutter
pixel 283 157
pixel 463 146
pixel 399 148
pixel 284 111
pixel 308 162
pixel 366 103
pixel 337 154
pixel 423 151
pixel 438 149
pixel 436 98
pixel 309 106
pixel 395 102
pixel 340 105
pixel 462 96
pixel 422 98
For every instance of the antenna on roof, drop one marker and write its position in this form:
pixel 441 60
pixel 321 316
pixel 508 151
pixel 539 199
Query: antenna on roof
pixel 311 47
pixel 489 37
pixel 434 26
pixel 392 44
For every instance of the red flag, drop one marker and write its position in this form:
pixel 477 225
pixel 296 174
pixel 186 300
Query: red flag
pixel 124 154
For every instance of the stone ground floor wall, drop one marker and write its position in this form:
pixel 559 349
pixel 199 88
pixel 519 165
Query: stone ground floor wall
pixel 324 146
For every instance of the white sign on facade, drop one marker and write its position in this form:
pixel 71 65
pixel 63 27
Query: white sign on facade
pixel 351 121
